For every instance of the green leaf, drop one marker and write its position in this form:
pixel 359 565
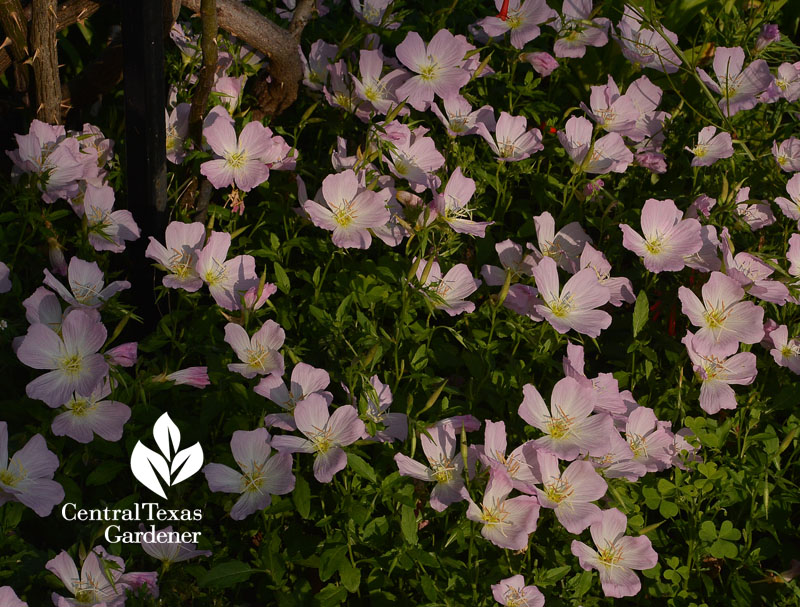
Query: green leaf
pixel 668 509
pixel 728 532
pixel 551 576
pixel 722 549
pixel 641 312
pixel 281 278
pixel 301 496
pixel 408 524
pixel 331 560
pixel 361 467
pixel 351 576
pixel 104 473
pixel 708 531
pixel 331 595
pixel 227 574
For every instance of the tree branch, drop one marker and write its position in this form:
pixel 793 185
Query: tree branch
pixel 208 44
pixel 15 26
pixel 45 61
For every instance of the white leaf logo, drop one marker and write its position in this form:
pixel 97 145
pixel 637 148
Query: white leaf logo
pixel 145 462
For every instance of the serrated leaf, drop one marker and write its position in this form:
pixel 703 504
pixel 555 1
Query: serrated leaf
pixel 361 467
pixel 227 574
pixel 641 312
pixel 408 524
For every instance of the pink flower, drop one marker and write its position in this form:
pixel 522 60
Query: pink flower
pixel 88 415
pixel 28 477
pixel 605 394
pixel 379 399
pixel 785 86
pixel 523 20
pixel 259 354
pixel 645 47
pixel 9 598
pixel 86 283
pixel 197 377
pixel 437 65
pixel 564 246
pixel 573 306
pixel 791 206
pixel 414 157
pixel 618 461
pixel 511 141
pixel 614 112
pixel 785 351
pixel 570 429
pixel 752 274
pixel 448 292
pixel 315 69
pixel 446 466
pixel 608 154
pixel 618 555
pixel 76 365
pixel 326 434
pixel 306 380
pixel 543 63
pixel 167 551
pixel 737 86
pixel 724 319
pixel 711 147
pixel 227 280
pixel 517 464
pixel 451 206
pixel 237 160
pixel 123 355
pixel 513 260
pixel 668 238
pixel 5 281
pixel 229 90
pixel 651 444
pixel 649 125
pixel 263 475
pixel 787 154
pixel 350 212
pixel 793 255
pixel 717 373
pixel 379 92
pixel 769 34
pixel 577 30
pixel 177 132
pixel 179 257
pixel 43 307
pixel 108 230
pixel 620 289
pixel 570 492
pixel 458 117
pixel 513 591
pixel 507 523
pixel 374 13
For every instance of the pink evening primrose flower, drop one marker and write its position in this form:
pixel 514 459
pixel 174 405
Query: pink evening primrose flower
pixel 197 377
pixel 517 464
pixel 769 34
pixel 718 373
pixel 511 141
pixel 513 260
pixel 652 445
pixel 668 238
pixel 169 552
pixel 374 13
pixel 108 230
pixel 791 206
pixel 617 555
pixel 605 394
pixel 645 47
pixel 451 206
pixel 786 84
pixel 237 160
pixel 570 493
pixel 522 20
pixel 607 154
pixel 379 92
pixel 620 289
pixel 43 307
pixel 785 351
pixel 513 592
pixel 177 132
pixel 724 318
pixel 179 257
pixel 576 30
pixel 752 274
pixel 72 357
pixel 414 157
pixel 618 461
pixel 123 355
pixel 305 380
pixel 458 117
pixel 28 477
pixel 264 473
pixel 612 111
pixel 259 354
pixel 227 280
pixel 711 147
pixel 86 416
pixel 793 255
pixel 506 523
pixel 86 285
pixel 738 87
pixel 445 463
pixel 543 63
pixel 9 598
pixel 315 70
pixel 395 425
pixel 5 281
pixel 350 212
pixel 572 307
pixel 326 434
pixel 437 66
pixel 787 154
pixel 570 429
pixel 564 246
pixel 448 292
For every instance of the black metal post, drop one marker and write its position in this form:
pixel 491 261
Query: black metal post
pixel 145 139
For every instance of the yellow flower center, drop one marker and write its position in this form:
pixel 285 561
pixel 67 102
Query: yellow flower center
pixel 71 364
pixel 237 159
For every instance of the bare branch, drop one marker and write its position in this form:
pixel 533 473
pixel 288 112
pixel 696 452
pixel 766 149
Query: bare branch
pixel 45 61
pixel 302 15
pixel 15 26
pixel 208 44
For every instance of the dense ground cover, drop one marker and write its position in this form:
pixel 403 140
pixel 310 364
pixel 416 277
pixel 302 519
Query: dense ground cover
pixel 495 297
